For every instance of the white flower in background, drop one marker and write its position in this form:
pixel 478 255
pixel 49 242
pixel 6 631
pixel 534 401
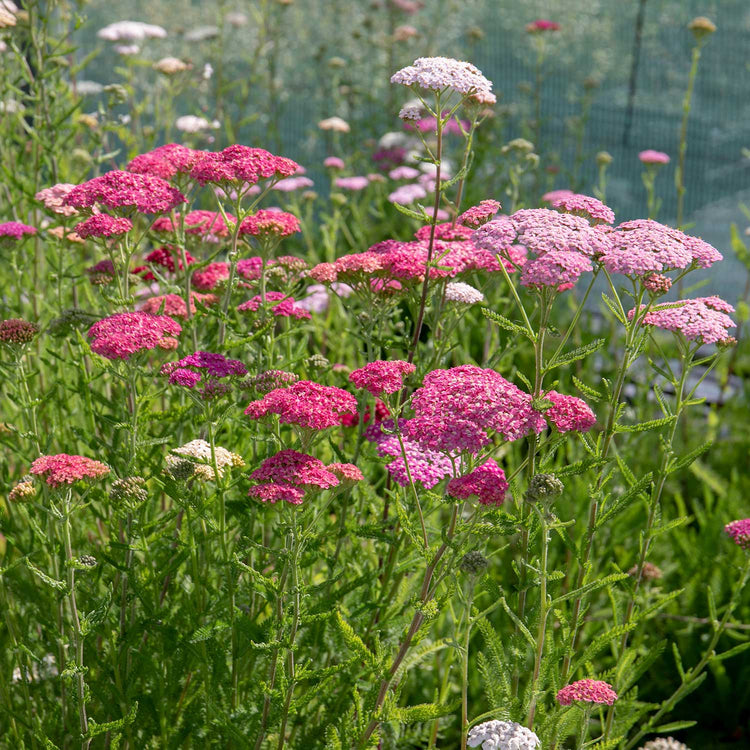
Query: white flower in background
pixel 131 31
pixel 171 65
pixel 337 124
pixel 10 107
pixel 235 18
pixel 465 294
pixel 43 670
pixel 201 33
pixel 88 88
pixel 199 453
pixel 126 50
pixel 502 735
pixel 665 743
pixel 194 124
pixel 394 140
pixel 8 12
pixel 208 71
pixel 3 46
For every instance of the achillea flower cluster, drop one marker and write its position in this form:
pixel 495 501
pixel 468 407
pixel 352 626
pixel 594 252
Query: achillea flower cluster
pixel 195 124
pixel 337 124
pixel 209 224
pixel 121 335
pixel 170 66
pixel 290 184
pixel 270 223
pixel 589 208
pixel 404 173
pixel 268 380
pixel 126 190
pixel 198 452
pixel 54 197
pixel 587 691
pixel 346 472
pixel 657 283
pixel 164 257
pixel 701 319
pixel 644 246
pixel 740 532
pixel 102 272
pixel 569 413
pixel 131 31
pixel 240 166
pixel 649 156
pixel 22 491
pixel 382 376
pixel 174 305
pixel 438 73
pixel 480 214
pixel 306 404
pixel 103 225
pixel 463 294
pixel 487 482
pixel 333 162
pixel 65 469
pixel 665 743
pixel 502 735
pixel 17 331
pixel 165 162
pixel 558 269
pixel 446 232
pixel 208 278
pixel 12 231
pixel 282 307
pixel 356 182
pixel 542 25
pixel 202 368
pixel 457 410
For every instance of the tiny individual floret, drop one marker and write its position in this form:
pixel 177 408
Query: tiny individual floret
pixel 464 294
pixel 63 468
pixel 438 73
pixel 474 563
pixel 381 377
pixel 17 331
pixel 121 335
pixel 487 482
pixel 103 225
pixel 649 156
pixel 13 231
pixel 740 532
pixel 568 413
pixel 502 735
pixel 587 691
pixel 664 743
pixel 480 214
pixel 543 488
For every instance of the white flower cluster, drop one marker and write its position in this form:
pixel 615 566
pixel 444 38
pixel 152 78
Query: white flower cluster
pixel 665 743
pixel 465 294
pixel 131 31
pixel 199 451
pixel 502 735
pixel 438 73
pixel 194 124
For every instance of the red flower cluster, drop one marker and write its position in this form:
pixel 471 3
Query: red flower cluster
pixel 165 161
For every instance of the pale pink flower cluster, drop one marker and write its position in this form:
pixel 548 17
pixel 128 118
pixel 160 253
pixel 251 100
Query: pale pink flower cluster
pixel 382 376
pixel 355 183
pixel 121 335
pixel 701 319
pixel 558 268
pixel 54 197
pixel 584 205
pixel 269 222
pixel 487 482
pixel 439 73
pixel 649 156
pixel 587 691
pixel 66 469
pixel 480 214
pixel 502 735
pixel 306 404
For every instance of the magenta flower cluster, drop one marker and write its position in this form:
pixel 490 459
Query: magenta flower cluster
pixel 15 230
pixel 122 335
pixel 241 166
pixel 740 532
pixel 103 225
pixel 283 307
pixel 487 482
pixel 382 376
pixel 587 691
pixel 202 367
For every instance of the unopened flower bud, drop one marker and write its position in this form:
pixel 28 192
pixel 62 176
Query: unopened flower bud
pixel 88 560
pixel 603 158
pixel 24 490
pixel 474 563
pixel 317 362
pixel 543 488
pixel 129 492
pixel 17 331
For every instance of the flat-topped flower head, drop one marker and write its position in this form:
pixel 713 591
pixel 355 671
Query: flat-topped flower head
pixel 131 31
pixel 502 735
pixel 166 161
pixel 13 231
pixel 174 305
pixel 664 743
pixel 208 224
pixel 589 208
pixel 649 156
pixel 121 335
pixel 282 306
pixel 541 230
pixel 355 182
pixel 480 214
pixel 297 469
pixel 457 410
pixel 462 294
pixel 336 124
pixel 439 73
pixel 126 190
pixel 17 331
pixel 200 367
pixel 568 413
pixel 346 472
pixel 701 319
pixel 241 166
pixel 487 482
pixel 541 25
pixel 740 532
pixel 306 404
pixel 270 223
pixel 587 691
pixel 382 376
pixel 558 269
pixel 199 453
pixel 53 199
pixel 104 225
pixel 63 468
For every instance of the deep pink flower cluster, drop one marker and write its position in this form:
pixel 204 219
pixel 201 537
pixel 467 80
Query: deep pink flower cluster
pixel 102 272
pixel 589 208
pixel 428 467
pixel 306 404
pixel 213 274
pixel 438 73
pixel 14 230
pixel 65 469
pixel 381 413
pixel 740 532
pixel 17 331
pixel 643 246
pixel 569 413
pixel 382 376
pixel 121 335
pixel 284 307
pixel 447 232
pixel 118 189
pixel 480 214
pixel 202 366
pixel 588 691
pixel 164 257
pixel 701 319
pixel 165 161
pixel 649 156
pixel 103 225
pixel 211 224
pixel 174 304
pixel 541 25
pixel 458 408
pixel 487 482
pixel 241 165
pixel 270 223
